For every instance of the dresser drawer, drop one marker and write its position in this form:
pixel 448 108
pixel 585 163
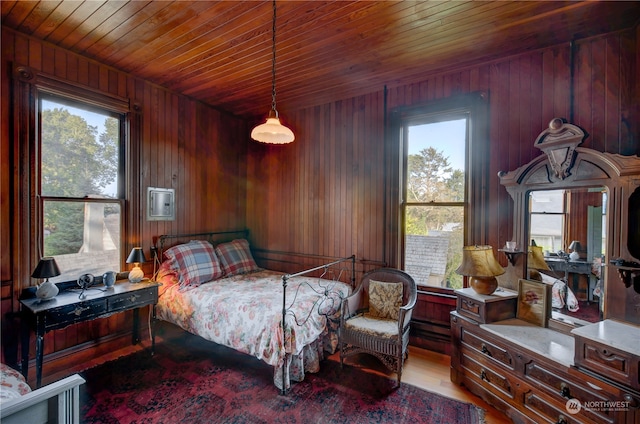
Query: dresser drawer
pixel 617 365
pixel 69 314
pixel 493 379
pixel 487 348
pixel 561 387
pixel 132 299
pixel 551 412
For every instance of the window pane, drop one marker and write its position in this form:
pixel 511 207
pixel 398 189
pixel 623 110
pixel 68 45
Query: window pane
pixel 550 201
pixel 546 230
pixel 82 236
pixel 435 162
pixel 433 244
pixel 79 151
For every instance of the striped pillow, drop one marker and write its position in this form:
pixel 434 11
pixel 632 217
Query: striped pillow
pixel 236 257
pixel 194 262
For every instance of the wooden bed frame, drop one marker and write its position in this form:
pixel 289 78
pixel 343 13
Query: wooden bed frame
pixel 222 236
pixel 57 402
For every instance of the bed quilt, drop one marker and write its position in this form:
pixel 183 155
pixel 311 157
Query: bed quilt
pixel 244 312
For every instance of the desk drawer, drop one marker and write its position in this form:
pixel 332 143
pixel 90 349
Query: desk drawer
pixel 133 299
pixel 494 380
pixel 65 315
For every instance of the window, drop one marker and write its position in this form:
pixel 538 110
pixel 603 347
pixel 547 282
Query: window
pixel 80 185
pixel 548 216
pixel 434 197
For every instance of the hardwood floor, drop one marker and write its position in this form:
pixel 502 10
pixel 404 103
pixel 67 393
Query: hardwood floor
pixel 425 369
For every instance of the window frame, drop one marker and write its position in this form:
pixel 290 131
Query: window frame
pixel 42 199
pixel 475 106
pixel 29 85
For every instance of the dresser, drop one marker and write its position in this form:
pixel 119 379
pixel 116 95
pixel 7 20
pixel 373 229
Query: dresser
pixel 74 306
pixel 531 372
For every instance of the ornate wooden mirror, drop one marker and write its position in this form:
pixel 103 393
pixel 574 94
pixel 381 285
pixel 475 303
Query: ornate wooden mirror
pixel 594 199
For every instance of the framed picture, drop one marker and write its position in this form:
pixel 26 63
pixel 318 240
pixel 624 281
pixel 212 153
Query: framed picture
pixel 534 302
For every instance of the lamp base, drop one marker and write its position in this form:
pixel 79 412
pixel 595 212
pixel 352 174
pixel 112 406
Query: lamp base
pixel 136 275
pixel 483 285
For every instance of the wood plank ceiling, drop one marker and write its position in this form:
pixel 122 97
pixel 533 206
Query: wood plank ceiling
pixel 220 51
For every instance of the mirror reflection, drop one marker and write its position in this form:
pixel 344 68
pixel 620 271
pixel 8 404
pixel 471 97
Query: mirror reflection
pixel 567 232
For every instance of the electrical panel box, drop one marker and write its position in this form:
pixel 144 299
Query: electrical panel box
pixel 161 204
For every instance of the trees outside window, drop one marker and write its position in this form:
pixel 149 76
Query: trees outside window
pixel 434 199
pixel 80 167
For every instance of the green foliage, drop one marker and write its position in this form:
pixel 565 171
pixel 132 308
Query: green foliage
pixel 76 162
pixel 70 217
pixel 432 180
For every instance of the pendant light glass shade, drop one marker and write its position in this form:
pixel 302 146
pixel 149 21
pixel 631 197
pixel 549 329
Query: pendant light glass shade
pixel 272 131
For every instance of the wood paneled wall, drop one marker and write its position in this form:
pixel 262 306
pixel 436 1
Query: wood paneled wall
pixel 195 149
pixel 325 193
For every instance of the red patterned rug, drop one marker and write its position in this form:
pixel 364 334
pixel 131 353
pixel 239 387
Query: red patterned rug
pixel 190 380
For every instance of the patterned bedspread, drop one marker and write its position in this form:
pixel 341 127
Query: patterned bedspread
pixel 244 312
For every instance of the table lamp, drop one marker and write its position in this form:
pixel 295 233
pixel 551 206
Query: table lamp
pixel 479 263
pixel 47 267
pixel 575 250
pixel 535 258
pixel 136 257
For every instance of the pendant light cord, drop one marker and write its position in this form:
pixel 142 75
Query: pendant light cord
pixel 273 62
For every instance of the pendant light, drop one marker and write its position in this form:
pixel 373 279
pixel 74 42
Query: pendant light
pixel 272 131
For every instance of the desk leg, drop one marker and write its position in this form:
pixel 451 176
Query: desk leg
pixel 153 329
pixel 25 328
pixel 135 334
pixel 39 349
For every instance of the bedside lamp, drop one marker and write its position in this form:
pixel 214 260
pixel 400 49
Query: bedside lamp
pixel 47 267
pixel 575 250
pixel 136 257
pixel 481 266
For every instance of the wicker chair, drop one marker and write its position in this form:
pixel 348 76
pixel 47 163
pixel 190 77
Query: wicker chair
pixel 386 339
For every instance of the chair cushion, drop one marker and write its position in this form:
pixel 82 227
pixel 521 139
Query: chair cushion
pixel 376 327
pixel 385 299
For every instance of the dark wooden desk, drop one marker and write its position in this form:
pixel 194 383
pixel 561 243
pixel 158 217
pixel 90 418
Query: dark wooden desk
pixel 576 268
pixel 67 308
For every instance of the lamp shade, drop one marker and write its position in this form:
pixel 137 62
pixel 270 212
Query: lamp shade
pixel 272 131
pixel 535 258
pixel 46 268
pixel 136 256
pixel 574 246
pixel 479 263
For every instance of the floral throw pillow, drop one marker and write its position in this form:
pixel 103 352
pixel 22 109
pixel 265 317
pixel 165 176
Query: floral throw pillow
pixel 385 299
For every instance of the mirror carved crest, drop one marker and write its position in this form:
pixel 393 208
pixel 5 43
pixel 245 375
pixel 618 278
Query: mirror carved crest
pixel 559 143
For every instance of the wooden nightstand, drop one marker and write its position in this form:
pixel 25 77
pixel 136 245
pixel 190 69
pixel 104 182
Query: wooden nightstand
pixel 484 309
pixel 67 308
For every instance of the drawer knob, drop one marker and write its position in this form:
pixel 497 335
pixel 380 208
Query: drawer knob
pixel 565 391
pixel 631 400
pixel 133 298
pixel 485 350
pixel 561 420
pixel 483 375
pixel 78 311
